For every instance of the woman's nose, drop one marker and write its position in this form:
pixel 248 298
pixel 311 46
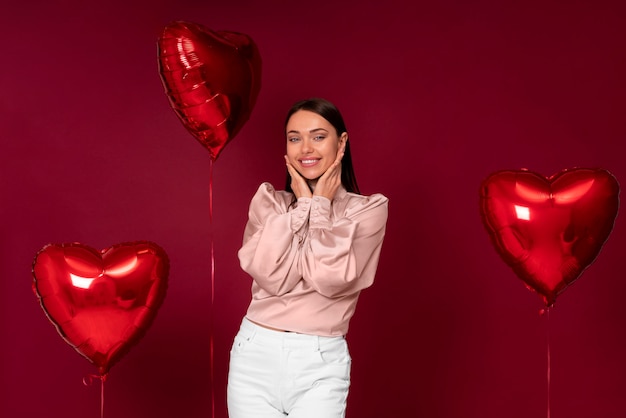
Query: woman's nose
pixel 306 146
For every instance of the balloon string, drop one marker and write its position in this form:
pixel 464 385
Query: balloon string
pixel 548 360
pixel 546 311
pixel 211 319
pixel 88 381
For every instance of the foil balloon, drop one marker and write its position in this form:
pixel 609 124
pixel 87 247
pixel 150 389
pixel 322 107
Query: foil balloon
pixel 549 229
pixel 101 302
pixel 212 80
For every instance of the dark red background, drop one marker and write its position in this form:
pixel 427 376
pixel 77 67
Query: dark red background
pixel 437 95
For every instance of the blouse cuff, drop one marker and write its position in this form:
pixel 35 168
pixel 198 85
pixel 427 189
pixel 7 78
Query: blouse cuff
pixel 320 213
pixel 300 213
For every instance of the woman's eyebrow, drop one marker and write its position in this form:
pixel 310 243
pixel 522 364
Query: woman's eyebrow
pixel 293 131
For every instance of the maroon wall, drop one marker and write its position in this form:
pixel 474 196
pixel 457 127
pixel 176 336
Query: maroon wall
pixel 437 95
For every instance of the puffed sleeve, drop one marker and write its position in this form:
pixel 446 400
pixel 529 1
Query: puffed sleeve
pixel 272 238
pixel 340 256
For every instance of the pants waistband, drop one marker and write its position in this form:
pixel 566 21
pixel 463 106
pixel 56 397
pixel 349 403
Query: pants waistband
pixel 250 330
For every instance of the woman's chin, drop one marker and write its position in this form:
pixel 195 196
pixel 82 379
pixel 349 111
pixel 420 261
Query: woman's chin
pixel 312 182
pixel 309 177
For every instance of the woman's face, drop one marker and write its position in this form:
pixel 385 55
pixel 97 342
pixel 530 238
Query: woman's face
pixel 312 143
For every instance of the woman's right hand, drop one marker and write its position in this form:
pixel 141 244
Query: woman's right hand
pixel 298 183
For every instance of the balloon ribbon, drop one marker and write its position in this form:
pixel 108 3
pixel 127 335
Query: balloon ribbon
pixel 211 324
pixel 88 380
pixel 546 312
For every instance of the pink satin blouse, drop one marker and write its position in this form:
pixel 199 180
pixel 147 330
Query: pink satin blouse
pixel 310 261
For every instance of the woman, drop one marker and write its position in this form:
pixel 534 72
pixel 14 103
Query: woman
pixel 310 250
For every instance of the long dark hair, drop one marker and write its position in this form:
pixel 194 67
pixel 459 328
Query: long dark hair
pixel 328 111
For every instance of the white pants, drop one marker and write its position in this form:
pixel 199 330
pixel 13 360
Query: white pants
pixel 275 374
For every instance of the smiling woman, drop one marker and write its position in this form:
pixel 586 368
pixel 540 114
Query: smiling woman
pixel 310 250
pixel 312 145
pixel 322 120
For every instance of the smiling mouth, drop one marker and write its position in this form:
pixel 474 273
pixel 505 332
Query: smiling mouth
pixel 309 162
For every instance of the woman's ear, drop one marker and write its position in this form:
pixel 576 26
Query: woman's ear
pixel 343 140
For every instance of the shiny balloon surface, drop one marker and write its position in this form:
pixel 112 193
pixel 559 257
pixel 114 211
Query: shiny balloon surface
pixel 212 80
pixel 549 229
pixel 101 302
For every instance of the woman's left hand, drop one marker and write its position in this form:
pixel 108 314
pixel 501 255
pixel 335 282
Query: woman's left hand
pixel 328 184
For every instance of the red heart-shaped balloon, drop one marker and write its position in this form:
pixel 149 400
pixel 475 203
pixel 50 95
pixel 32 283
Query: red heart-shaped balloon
pixel 549 229
pixel 212 80
pixel 101 302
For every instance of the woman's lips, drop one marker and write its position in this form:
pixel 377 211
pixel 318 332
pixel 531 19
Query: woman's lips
pixel 308 162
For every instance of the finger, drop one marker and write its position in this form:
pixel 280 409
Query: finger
pixel 295 176
pixel 289 166
pixel 340 155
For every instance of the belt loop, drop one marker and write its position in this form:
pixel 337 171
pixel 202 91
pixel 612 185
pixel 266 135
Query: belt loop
pixel 316 343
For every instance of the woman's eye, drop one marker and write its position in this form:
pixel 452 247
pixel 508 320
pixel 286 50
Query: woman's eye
pixel 293 139
pixel 319 137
